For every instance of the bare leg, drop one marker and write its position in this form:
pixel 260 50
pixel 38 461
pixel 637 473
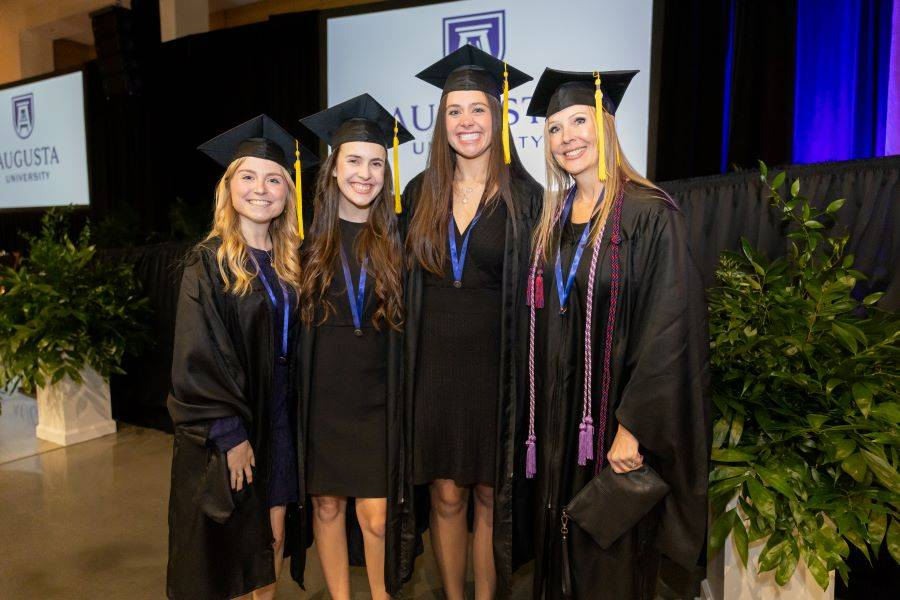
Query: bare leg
pixel 372 513
pixel 483 543
pixel 330 532
pixel 449 536
pixel 276 517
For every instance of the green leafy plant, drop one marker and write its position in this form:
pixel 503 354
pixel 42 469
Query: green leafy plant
pixel 806 410
pixel 62 308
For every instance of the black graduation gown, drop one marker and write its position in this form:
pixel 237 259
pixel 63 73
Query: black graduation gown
pixel 512 516
pixel 220 542
pixel 658 391
pixel 397 501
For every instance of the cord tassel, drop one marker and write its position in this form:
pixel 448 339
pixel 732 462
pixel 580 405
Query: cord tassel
pixel 601 137
pixel 539 290
pixel 298 185
pixel 531 457
pixel 506 152
pixel 585 441
pixel 398 208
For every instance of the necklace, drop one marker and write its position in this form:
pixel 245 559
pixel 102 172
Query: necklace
pixel 465 190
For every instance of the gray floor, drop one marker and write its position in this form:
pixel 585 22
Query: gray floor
pixel 89 520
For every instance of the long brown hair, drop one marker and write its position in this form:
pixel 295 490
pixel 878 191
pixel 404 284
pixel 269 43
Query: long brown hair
pixel 426 241
pixel 232 255
pixel 379 240
pixel 559 181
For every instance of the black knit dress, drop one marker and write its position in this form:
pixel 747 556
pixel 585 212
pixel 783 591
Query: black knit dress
pixel 458 374
pixel 347 428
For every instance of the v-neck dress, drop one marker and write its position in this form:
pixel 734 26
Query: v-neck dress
pixel 458 375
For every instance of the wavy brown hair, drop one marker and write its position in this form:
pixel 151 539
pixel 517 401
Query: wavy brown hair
pixel 232 255
pixel 559 181
pixel 426 241
pixel 379 240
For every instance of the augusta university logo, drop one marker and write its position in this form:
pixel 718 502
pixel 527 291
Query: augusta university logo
pixel 486 31
pixel 23 115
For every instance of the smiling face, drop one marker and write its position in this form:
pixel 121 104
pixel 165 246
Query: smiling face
pixel 572 136
pixel 468 122
pixel 359 172
pixel 258 190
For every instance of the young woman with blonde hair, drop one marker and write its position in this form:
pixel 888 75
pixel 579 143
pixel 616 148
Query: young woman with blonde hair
pixel 234 470
pixel 617 357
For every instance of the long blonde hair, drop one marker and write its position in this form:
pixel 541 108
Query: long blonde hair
pixel 559 181
pixel 232 255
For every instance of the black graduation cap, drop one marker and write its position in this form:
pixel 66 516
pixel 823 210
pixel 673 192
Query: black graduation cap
pixel 359 119
pixel 260 137
pixel 557 90
pixel 470 68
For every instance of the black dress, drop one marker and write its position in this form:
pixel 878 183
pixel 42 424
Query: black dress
pixel 458 374
pixel 347 426
pixel 658 391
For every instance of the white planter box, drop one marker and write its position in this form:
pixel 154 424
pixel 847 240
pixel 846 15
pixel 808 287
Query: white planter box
pixel 728 579
pixel 70 412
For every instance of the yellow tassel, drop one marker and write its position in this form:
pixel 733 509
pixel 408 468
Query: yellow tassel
pixel 506 156
pixel 601 138
pixel 398 208
pixel 299 188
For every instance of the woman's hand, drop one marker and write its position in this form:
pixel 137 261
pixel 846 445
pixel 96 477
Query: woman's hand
pixel 623 455
pixel 240 460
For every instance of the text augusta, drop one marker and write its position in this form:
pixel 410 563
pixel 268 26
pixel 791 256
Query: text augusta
pixel 29 157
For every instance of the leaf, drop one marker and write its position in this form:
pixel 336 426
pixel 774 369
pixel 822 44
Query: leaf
pixel 855 466
pixel 816 421
pixel 720 530
pixel 795 187
pixel 812 224
pixel 884 472
pixel 737 427
pixel 778 181
pixel 876 529
pixel 832 383
pixel 893 539
pixel 845 337
pixel 763 169
pixel 843 448
pixel 862 395
pixel 731 455
pixel 739 535
pixel 763 500
pixel 787 565
pixel 834 206
pixel 889 411
pixel 872 298
pixel 771 554
pixel 818 570
pixel 720 432
pixel 776 481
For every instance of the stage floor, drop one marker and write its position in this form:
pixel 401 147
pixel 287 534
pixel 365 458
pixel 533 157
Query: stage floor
pixel 89 520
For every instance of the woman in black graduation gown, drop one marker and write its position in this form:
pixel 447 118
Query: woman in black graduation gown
pixel 618 346
pixel 234 474
pixel 470 215
pixel 351 309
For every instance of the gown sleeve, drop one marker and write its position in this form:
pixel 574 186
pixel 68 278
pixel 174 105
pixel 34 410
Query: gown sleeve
pixel 208 381
pixel 665 402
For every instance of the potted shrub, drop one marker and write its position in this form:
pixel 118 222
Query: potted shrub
pixel 66 319
pixel 806 444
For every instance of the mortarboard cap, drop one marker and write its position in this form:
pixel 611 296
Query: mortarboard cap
pixel 557 90
pixel 260 137
pixel 470 68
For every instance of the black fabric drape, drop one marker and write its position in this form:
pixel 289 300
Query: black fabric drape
pixel 721 210
pixel 691 80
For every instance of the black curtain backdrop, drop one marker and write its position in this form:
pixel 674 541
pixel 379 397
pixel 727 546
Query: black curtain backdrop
pixel 142 149
pixel 691 84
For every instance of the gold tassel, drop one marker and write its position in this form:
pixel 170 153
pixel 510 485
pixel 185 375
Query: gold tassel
pixel 299 188
pixel 398 208
pixel 506 156
pixel 601 138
